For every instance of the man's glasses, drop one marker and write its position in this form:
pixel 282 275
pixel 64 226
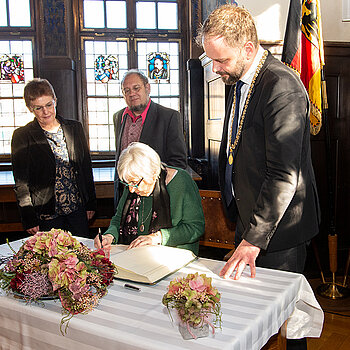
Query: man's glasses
pixel 41 108
pixel 128 91
pixel 132 184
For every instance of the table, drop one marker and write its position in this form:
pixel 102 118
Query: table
pixel 252 311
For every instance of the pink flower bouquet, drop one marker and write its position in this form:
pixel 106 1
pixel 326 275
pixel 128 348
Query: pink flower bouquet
pixel 54 264
pixel 196 301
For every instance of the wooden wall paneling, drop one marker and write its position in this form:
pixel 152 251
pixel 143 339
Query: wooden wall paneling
pixel 337 73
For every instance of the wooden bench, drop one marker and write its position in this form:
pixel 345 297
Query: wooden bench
pixel 219 232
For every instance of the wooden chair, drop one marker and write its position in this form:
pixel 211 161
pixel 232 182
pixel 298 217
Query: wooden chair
pixel 219 231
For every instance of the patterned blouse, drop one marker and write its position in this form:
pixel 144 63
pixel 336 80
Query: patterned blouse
pixel 129 231
pixel 67 194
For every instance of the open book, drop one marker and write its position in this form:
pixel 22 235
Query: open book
pixel 148 264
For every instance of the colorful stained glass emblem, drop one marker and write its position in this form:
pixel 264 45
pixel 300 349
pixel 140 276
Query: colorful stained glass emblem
pixel 12 68
pixel 106 68
pixel 158 66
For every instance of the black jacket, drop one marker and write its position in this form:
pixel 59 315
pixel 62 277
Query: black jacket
pixel 273 178
pixel 162 131
pixel 34 169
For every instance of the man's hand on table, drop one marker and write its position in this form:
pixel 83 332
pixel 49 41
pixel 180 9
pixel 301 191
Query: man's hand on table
pixel 245 254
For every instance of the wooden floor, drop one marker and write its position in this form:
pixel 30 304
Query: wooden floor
pixel 336 328
pixel 335 334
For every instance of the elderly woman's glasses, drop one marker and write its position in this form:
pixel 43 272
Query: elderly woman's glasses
pixel 41 108
pixel 132 184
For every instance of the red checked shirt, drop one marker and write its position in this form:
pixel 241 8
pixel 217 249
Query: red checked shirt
pixel 133 126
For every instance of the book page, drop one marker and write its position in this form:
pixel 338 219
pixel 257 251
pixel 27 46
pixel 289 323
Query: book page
pixel 151 262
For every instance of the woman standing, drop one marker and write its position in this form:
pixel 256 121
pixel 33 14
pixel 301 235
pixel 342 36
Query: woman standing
pixel 52 167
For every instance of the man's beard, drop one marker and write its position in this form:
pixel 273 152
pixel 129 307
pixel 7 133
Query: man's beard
pixel 232 78
pixel 138 108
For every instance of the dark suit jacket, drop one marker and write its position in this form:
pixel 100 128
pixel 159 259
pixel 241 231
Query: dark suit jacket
pixel 276 197
pixel 34 169
pixel 162 131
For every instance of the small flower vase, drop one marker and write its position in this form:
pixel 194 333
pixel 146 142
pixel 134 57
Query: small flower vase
pixel 190 332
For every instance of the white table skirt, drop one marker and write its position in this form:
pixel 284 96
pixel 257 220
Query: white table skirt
pixel 252 311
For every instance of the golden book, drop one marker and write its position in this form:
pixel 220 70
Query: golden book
pixel 149 264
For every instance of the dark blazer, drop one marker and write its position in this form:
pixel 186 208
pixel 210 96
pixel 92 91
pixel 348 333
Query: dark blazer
pixel 34 169
pixel 275 190
pixel 162 131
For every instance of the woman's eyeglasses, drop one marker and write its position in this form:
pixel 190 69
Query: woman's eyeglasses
pixel 132 184
pixel 41 108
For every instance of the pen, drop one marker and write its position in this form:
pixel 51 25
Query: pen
pixel 100 236
pixel 130 286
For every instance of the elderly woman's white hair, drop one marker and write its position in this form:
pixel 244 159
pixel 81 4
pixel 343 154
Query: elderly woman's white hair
pixel 137 161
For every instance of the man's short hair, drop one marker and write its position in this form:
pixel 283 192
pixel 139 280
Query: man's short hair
pixel 37 88
pixel 235 24
pixel 138 73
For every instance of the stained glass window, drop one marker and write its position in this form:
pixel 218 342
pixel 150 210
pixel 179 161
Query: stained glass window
pixel 165 94
pixel 11 68
pixel 141 34
pixel 13 112
pixel 158 66
pixel 106 68
pixel 103 99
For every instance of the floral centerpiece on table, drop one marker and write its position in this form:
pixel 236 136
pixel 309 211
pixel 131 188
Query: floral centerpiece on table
pixel 197 304
pixel 55 264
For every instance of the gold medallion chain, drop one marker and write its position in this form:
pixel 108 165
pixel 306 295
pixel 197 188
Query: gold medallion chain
pixel 234 144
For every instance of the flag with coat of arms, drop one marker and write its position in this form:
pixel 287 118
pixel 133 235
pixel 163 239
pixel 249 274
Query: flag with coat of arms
pixel 303 51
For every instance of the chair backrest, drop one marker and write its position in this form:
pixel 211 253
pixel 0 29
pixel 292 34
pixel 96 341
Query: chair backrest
pixel 219 231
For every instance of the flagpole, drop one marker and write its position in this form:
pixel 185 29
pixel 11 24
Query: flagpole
pixel 330 290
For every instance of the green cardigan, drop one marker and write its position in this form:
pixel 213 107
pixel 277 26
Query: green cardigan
pixel 186 214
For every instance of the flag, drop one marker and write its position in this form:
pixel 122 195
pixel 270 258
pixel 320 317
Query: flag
pixel 303 51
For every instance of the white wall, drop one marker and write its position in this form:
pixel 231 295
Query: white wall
pixel 271 17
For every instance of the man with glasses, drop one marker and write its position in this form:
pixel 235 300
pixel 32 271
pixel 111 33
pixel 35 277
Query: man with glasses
pixel 146 121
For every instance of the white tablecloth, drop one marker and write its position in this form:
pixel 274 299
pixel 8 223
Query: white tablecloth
pixel 252 311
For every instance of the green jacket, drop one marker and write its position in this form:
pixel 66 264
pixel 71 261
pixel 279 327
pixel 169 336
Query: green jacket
pixel 186 214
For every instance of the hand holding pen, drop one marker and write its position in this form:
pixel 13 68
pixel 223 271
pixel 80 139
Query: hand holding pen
pixel 103 242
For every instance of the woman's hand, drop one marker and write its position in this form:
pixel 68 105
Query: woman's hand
pixel 33 230
pixel 106 243
pixel 151 239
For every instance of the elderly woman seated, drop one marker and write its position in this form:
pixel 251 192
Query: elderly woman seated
pixel 159 205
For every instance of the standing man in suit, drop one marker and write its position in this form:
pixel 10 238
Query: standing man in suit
pixel 265 171
pixel 146 121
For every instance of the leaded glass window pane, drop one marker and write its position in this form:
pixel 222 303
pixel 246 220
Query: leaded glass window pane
pixel 157 15
pixel 158 66
pixel 11 68
pixel 104 98
pixel 165 91
pixel 106 68
pixel 116 14
pixel 167 15
pixel 3 14
pixel 19 13
pixel 94 14
pixel 104 14
pixel 145 15
pixel 13 112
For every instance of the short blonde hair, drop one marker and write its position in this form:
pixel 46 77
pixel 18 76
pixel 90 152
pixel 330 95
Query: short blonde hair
pixel 235 24
pixel 139 160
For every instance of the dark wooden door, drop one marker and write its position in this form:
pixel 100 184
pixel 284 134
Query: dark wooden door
pixel 333 169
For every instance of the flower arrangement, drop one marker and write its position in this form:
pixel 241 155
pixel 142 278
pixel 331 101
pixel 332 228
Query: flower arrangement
pixel 55 264
pixel 196 301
